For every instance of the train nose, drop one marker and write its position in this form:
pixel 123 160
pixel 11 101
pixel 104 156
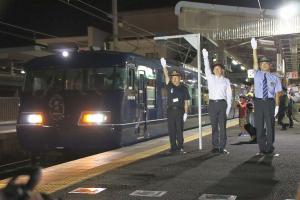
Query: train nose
pixel 56 106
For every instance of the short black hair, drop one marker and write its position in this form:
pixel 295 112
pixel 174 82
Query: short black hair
pixel 218 64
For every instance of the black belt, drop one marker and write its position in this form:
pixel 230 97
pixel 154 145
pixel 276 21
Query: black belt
pixel 217 100
pixel 265 99
pixel 175 108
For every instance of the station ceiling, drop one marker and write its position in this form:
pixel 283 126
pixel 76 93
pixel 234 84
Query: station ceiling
pixel 232 28
pixel 54 17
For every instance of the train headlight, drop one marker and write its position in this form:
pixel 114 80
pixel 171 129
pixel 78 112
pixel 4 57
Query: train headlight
pixel 35 119
pixel 32 118
pixel 88 118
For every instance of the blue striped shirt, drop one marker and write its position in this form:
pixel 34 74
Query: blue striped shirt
pixel 274 84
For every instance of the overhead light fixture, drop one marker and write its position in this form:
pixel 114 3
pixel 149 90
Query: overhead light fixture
pixel 288 11
pixel 234 62
pixel 65 54
pixel 243 68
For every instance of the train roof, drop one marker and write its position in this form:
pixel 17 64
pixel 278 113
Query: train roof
pixel 92 59
pixel 82 59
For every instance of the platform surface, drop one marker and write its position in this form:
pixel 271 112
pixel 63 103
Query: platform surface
pixel 147 166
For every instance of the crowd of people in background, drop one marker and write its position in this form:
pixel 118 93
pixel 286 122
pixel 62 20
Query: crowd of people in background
pixel 246 115
pixel 285 118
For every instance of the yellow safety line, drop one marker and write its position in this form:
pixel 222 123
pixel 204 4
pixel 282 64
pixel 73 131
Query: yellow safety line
pixel 82 176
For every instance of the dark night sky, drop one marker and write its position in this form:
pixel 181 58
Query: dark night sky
pixel 54 17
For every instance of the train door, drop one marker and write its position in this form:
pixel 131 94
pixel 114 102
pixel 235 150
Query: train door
pixel 142 104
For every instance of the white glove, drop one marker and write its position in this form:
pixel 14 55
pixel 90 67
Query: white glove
pixel 227 112
pixel 254 43
pixel 204 53
pixel 163 62
pixel 276 111
pixel 184 117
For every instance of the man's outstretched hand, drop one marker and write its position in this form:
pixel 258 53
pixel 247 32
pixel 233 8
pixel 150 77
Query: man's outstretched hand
pixel 163 62
pixel 205 53
pixel 253 43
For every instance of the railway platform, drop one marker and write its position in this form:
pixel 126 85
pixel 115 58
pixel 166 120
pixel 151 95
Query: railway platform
pixel 145 169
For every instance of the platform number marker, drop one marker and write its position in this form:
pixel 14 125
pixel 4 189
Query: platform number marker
pixel 217 197
pixel 148 193
pixel 81 190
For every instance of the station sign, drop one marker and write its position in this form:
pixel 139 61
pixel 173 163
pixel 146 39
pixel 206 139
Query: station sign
pixel 250 73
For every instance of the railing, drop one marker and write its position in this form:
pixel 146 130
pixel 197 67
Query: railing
pixel 9 108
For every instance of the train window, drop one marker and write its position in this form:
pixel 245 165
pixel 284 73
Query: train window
pixel 204 96
pixel 151 84
pixel 131 78
pixel 111 78
pixel 42 81
pixel 194 97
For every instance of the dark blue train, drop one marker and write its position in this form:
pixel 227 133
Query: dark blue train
pixel 93 99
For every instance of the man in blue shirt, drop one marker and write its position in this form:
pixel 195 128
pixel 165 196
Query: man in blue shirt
pixel 266 88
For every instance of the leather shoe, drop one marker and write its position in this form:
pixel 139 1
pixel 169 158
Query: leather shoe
pixel 215 150
pixel 224 151
pixel 181 151
pixel 261 153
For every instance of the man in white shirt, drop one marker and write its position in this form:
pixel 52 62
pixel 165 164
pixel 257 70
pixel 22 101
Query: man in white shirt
pixel 220 96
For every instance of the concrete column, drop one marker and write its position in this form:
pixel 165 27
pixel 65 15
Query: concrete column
pixel 115 23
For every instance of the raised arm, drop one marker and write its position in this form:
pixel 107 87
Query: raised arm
pixel 207 69
pixel 228 97
pixel 166 74
pixel 254 48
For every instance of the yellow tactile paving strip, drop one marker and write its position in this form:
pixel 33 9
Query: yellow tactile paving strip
pixel 64 175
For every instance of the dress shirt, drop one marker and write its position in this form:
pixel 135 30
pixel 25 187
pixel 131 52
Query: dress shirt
pixel 274 84
pixel 218 87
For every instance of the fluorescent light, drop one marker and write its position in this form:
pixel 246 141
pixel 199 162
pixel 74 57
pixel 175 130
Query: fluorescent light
pixel 243 68
pixel 234 62
pixel 288 11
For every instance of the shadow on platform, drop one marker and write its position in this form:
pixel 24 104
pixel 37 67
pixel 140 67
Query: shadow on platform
pixel 254 179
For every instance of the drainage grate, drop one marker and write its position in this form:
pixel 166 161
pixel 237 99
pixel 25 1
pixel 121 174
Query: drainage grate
pixel 87 190
pixel 147 193
pixel 217 197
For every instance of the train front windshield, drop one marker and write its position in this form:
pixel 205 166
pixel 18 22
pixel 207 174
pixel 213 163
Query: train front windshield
pixel 92 79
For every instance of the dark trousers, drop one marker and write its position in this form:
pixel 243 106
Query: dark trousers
pixel 280 115
pixel 290 116
pixel 175 127
pixel 264 115
pixel 291 121
pixel 218 118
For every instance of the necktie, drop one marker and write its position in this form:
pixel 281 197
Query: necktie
pixel 265 87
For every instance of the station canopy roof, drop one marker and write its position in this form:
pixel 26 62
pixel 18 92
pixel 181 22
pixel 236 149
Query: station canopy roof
pixel 232 27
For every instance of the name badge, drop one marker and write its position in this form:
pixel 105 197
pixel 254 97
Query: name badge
pixel 175 100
